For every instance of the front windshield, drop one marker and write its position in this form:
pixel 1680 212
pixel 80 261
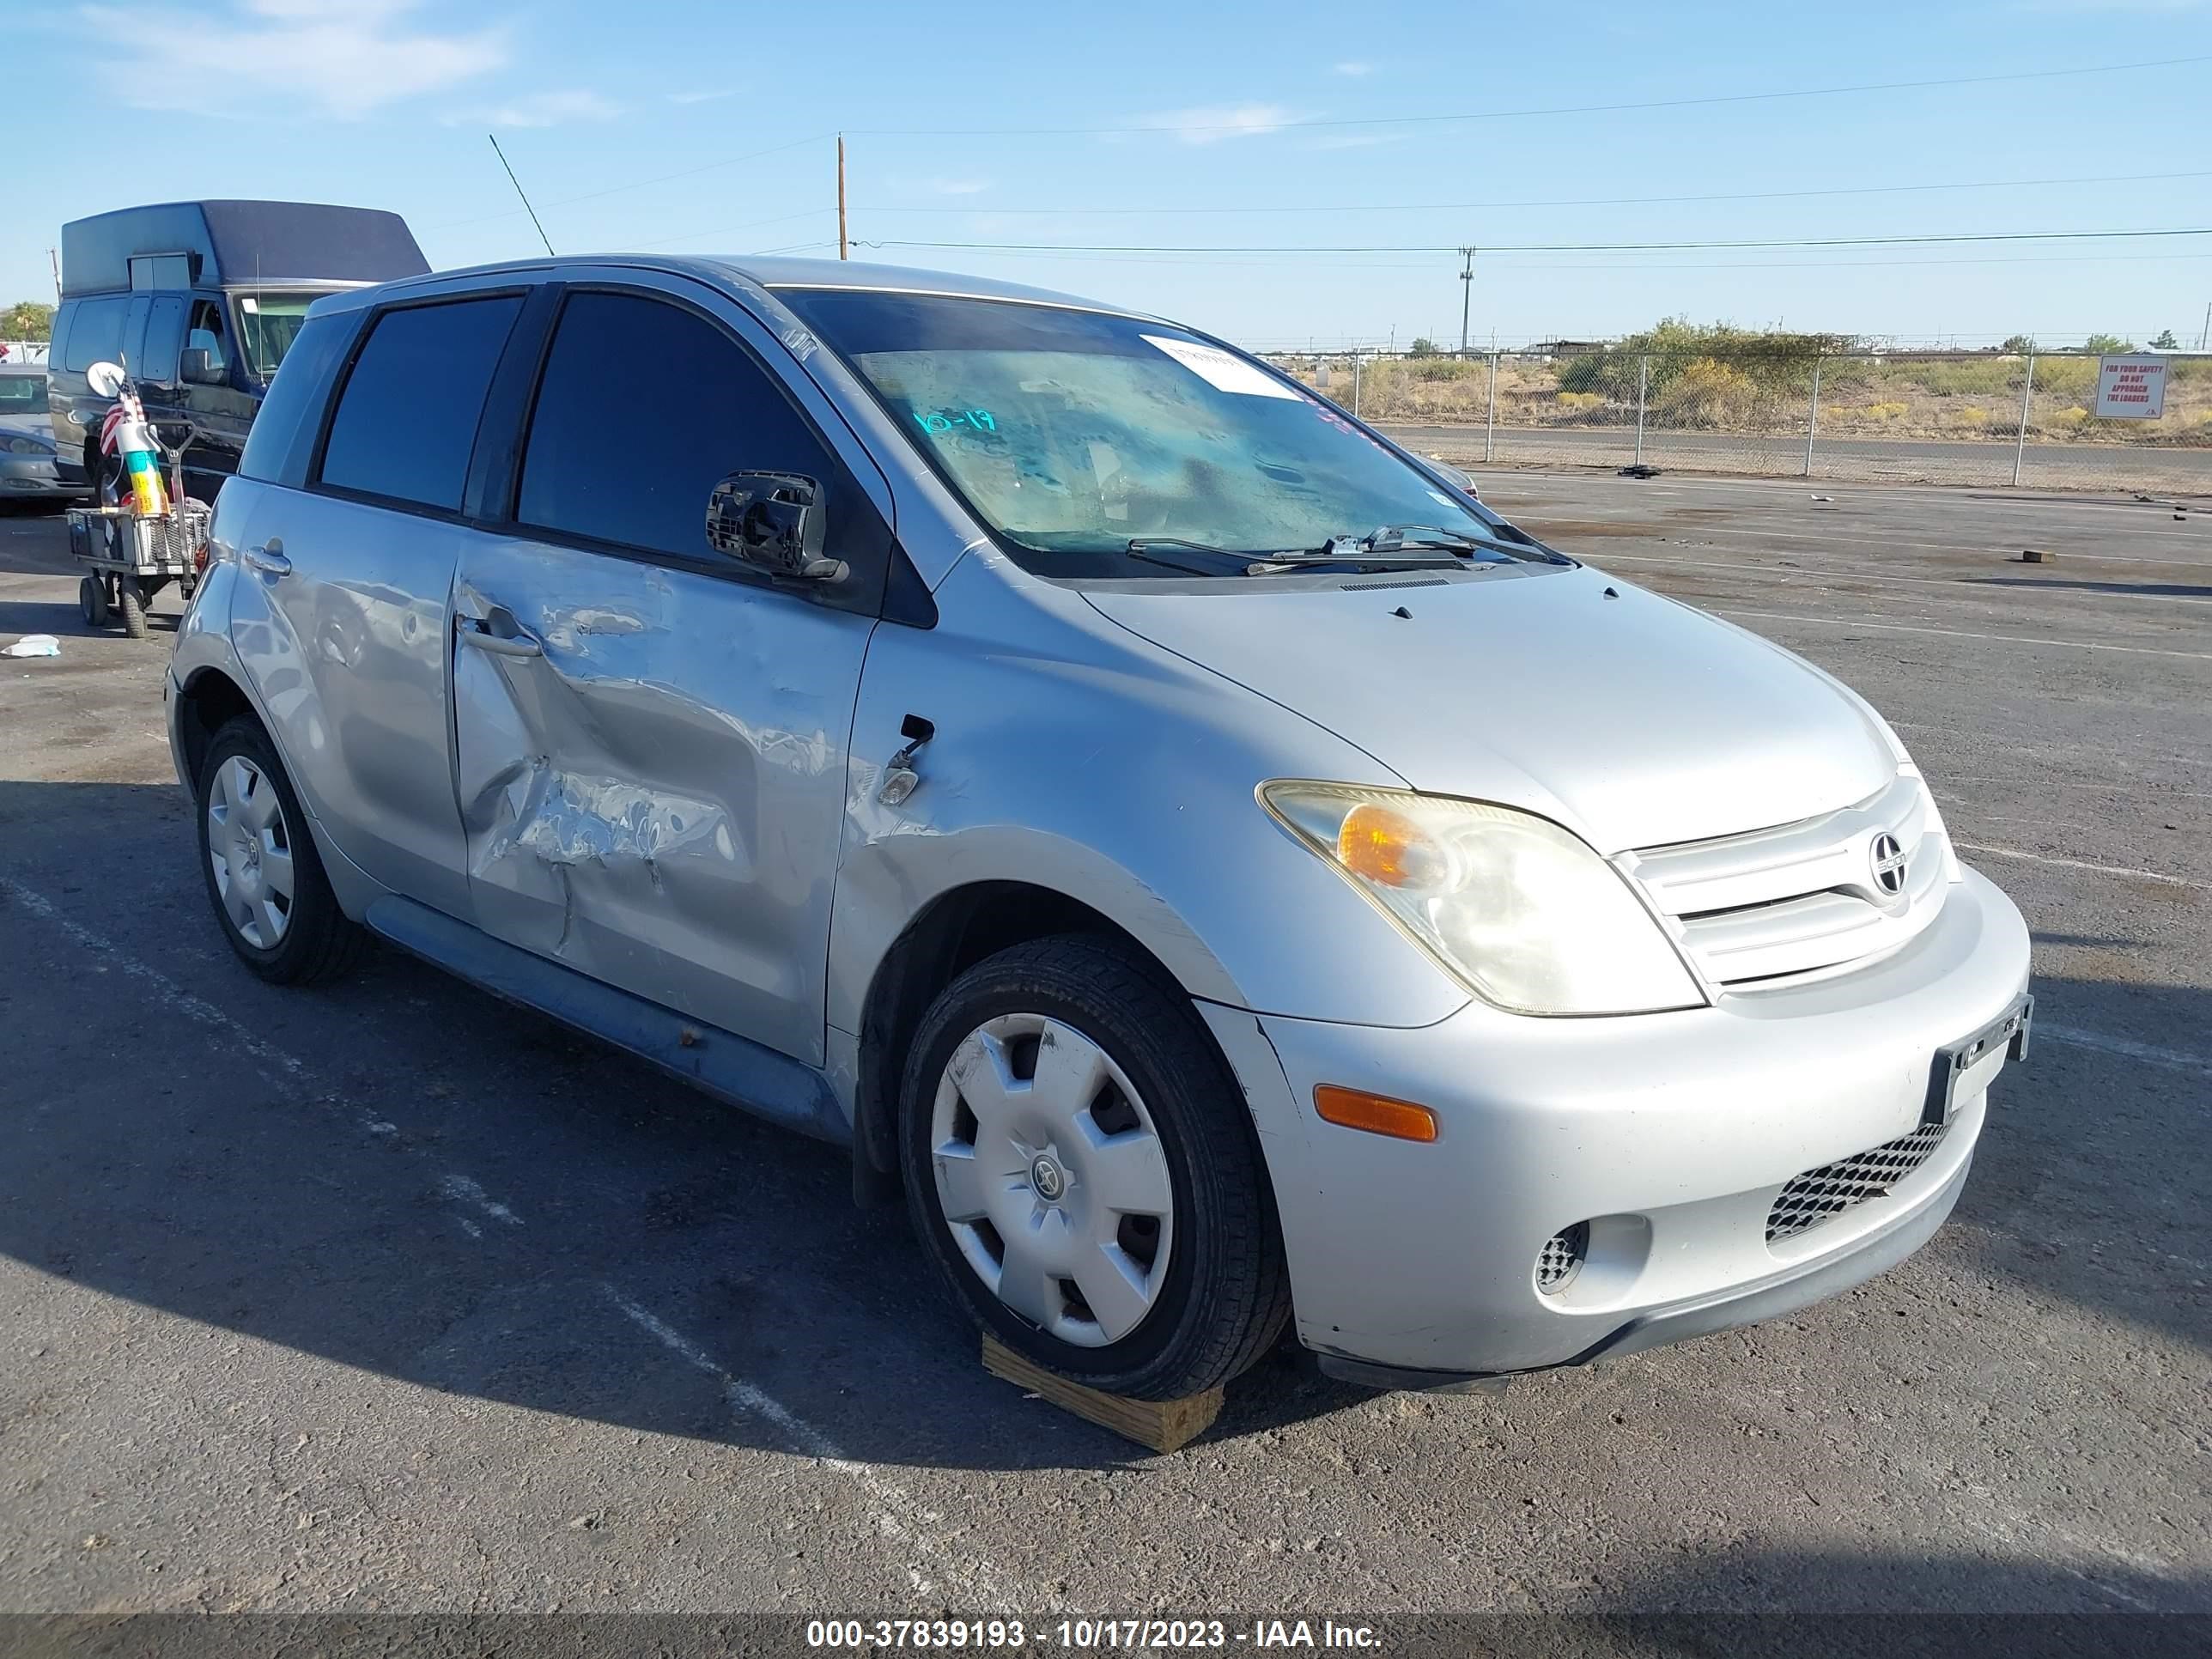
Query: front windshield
pixel 23 394
pixel 1072 434
pixel 267 322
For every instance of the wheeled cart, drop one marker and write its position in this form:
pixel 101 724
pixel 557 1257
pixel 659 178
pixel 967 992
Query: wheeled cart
pixel 131 559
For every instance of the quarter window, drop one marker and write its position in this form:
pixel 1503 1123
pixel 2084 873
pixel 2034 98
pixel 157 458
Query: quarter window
pixel 406 421
pixel 644 408
pixel 95 334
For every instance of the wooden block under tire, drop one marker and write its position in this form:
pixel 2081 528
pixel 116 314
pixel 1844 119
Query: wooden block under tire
pixel 1164 1426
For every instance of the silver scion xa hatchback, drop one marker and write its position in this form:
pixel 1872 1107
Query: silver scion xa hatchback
pixel 1222 872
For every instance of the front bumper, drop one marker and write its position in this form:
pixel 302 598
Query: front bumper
pixel 31 477
pixel 1670 1135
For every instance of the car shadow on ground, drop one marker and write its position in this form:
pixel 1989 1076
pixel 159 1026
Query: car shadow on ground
pixel 1883 1603
pixel 403 1175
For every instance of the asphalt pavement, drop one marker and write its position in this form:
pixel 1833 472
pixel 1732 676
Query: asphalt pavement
pixel 386 1296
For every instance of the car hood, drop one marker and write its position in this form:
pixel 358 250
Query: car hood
pixel 1633 719
pixel 40 426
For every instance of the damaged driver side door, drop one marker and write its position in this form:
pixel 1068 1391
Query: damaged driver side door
pixel 650 731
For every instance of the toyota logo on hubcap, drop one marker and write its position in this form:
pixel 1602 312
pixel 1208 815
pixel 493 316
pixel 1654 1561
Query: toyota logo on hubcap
pixel 1045 1175
pixel 1887 857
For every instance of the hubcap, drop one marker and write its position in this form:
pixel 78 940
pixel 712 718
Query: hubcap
pixel 1051 1179
pixel 250 852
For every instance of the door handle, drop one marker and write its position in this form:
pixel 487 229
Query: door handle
pixel 474 630
pixel 269 560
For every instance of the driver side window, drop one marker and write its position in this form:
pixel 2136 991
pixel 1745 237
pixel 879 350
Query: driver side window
pixel 206 334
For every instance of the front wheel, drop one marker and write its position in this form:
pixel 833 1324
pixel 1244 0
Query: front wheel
pixel 130 600
pixel 92 601
pixel 1083 1173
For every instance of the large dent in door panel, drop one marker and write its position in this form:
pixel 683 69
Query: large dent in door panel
pixel 637 800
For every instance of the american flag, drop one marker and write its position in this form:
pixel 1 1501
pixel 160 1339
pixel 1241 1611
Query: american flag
pixel 116 417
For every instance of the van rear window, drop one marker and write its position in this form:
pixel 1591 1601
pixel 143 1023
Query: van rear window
pixel 95 332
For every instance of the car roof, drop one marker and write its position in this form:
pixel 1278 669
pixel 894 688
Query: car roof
pixel 764 272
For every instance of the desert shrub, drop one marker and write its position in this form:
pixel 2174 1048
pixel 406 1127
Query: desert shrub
pixel 1447 369
pixel 2067 420
pixel 1887 411
pixel 1972 415
pixel 2066 377
pixel 1580 400
pixel 1708 393
pixel 1963 379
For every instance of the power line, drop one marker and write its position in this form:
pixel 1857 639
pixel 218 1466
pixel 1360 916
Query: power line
pixel 1169 126
pixel 1548 248
pixel 1563 202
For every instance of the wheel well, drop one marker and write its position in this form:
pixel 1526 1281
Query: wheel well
pixel 211 700
pixel 954 933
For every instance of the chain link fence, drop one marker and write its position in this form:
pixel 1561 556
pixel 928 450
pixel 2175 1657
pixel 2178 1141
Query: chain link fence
pixel 1988 418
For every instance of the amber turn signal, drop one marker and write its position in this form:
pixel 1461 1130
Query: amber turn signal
pixel 1378 1115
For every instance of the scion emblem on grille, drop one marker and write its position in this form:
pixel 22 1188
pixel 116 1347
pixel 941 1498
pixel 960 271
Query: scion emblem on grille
pixel 1887 857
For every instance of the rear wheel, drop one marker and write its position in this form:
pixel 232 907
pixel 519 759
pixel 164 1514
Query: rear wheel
pixel 1083 1175
pixel 92 601
pixel 264 876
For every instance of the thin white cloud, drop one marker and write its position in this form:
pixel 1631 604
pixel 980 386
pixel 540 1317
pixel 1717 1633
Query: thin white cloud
pixel 702 97
pixel 1354 68
pixel 956 186
pixel 543 109
pixel 1214 124
pixel 339 58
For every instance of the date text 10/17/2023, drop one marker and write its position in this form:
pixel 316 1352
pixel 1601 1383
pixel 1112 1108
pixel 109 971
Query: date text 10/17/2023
pixel 1091 1635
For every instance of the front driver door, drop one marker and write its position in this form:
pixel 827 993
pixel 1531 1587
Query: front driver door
pixel 652 738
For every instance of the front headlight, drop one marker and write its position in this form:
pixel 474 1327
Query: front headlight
pixel 26 446
pixel 1526 916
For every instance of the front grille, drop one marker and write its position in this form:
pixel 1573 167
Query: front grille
pixel 1561 1258
pixel 1824 1193
pixel 1804 898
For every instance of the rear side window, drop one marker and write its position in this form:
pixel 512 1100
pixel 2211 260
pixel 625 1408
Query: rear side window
pixel 644 407
pixel 96 333
pixel 284 430
pixel 164 338
pixel 406 421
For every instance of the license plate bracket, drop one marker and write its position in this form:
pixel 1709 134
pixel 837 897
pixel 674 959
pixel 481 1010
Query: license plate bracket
pixel 2008 1030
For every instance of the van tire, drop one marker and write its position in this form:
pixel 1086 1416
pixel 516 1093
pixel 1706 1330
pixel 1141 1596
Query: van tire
pixel 1226 1294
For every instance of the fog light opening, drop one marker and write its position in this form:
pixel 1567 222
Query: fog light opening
pixel 1561 1259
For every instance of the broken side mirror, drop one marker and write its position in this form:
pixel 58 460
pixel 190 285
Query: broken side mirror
pixel 105 379
pixel 198 366
pixel 774 522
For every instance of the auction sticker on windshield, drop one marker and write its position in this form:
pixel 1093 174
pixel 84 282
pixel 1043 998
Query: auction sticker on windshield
pixel 1220 370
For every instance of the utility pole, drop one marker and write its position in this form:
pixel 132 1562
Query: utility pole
pixel 54 260
pixel 1466 294
pixel 2202 337
pixel 842 245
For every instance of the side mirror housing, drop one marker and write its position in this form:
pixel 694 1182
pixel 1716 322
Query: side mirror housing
pixel 198 366
pixel 774 522
pixel 105 379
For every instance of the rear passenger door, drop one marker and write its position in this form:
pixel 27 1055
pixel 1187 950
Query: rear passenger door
pixel 342 616
pixel 651 737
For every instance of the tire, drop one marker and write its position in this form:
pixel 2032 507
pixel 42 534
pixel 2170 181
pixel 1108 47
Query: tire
pixel 249 819
pixel 131 602
pixel 92 601
pixel 1126 1048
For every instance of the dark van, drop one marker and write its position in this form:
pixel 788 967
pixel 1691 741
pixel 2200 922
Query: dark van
pixel 199 301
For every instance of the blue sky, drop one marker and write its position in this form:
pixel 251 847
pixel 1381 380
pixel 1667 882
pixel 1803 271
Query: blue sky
pixel 1281 125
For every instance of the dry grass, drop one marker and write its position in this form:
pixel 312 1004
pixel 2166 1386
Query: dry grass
pixel 1901 398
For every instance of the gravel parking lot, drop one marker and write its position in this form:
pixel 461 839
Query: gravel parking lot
pixel 386 1296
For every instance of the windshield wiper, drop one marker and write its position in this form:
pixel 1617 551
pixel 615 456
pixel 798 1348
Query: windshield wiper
pixel 1232 564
